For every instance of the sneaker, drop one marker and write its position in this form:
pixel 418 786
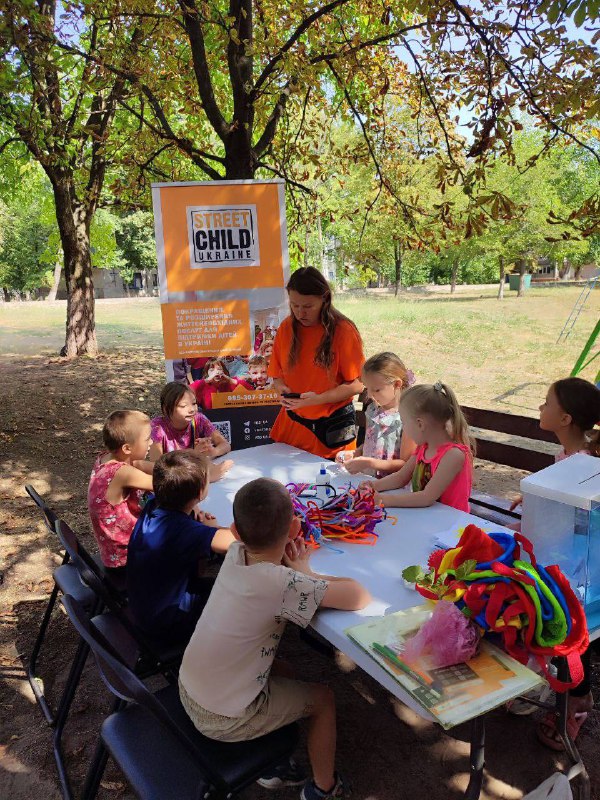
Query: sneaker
pixel 310 791
pixel 286 774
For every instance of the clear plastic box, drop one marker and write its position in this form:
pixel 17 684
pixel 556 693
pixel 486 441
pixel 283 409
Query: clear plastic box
pixel 561 516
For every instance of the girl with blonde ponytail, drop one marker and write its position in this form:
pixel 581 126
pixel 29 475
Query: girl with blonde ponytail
pixel 441 467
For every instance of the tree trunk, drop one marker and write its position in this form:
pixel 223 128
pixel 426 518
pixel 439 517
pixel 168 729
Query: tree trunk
pixel 145 283
pixel 556 273
pixel 454 276
pixel 502 279
pixel 6 294
pixel 56 279
pixel 240 160
pixel 522 271
pixel 74 226
pixel 397 268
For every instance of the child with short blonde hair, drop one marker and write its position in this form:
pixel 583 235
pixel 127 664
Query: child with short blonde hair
pixel 386 448
pixel 118 479
pixel 257 377
pixel 442 466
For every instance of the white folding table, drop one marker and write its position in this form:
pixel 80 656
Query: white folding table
pixel 405 538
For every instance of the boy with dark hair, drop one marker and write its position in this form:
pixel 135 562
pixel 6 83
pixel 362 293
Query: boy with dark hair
pixel 166 595
pixel 230 683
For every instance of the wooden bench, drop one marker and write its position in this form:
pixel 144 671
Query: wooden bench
pixel 515 454
pixel 518 455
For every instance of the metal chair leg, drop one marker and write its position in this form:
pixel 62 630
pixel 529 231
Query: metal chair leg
pixel 578 769
pixel 63 712
pixel 476 758
pixel 98 763
pixel 34 681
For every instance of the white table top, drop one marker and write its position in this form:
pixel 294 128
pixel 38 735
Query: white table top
pixel 378 567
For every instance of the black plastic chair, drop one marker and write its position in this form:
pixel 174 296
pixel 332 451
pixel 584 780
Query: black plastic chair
pixel 66 580
pixel 118 634
pixel 157 747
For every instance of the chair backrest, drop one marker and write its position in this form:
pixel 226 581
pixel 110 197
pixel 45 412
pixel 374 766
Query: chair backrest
pixel 125 685
pixel 50 517
pixel 87 567
pixel 92 575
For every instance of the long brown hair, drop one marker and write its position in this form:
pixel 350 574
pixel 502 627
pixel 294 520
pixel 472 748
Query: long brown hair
pixel 309 281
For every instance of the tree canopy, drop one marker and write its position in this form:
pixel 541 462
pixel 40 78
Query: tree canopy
pixel 435 94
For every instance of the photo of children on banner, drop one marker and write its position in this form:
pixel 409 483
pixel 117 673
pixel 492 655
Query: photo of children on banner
pixel 224 374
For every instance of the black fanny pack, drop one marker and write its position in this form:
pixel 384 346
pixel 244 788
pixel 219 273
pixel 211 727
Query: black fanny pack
pixel 336 430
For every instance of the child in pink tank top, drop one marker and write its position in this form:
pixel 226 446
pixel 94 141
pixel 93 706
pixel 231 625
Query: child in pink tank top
pixel 441 469
pixel 118 479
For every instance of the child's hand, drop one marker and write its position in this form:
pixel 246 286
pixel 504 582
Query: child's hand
pixel 297 555
pixel 359 464
pixel 516 502
pixel 344 456
pixel 205 518
pixel 367 485
pixel 217 471
pixel 204 445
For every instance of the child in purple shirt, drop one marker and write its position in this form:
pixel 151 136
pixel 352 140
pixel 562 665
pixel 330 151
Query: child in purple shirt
pixel 182 427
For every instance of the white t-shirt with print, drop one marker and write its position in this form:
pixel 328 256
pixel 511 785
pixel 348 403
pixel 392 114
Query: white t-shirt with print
pixel 229 657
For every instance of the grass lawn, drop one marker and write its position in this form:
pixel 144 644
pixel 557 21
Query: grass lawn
pixel 494 354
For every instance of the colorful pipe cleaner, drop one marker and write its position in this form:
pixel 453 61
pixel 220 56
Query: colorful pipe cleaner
pixel 350 515
pixel 532 607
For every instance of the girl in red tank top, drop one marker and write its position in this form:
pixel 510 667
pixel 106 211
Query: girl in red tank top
pixel 441 468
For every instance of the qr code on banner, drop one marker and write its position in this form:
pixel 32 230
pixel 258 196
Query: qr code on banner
pixel 224 428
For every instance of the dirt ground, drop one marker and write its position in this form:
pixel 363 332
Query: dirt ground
pixel 51 414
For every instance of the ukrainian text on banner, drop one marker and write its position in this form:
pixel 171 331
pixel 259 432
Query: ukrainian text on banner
pixel 223 265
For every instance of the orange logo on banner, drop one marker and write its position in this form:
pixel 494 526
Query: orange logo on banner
pixel 222 233
pixel 204 329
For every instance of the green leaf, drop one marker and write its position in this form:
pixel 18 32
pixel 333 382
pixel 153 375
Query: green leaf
pixel 465 569
pixel 579 17
pixel 412 574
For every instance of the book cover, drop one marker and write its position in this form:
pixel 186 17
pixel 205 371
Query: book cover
pixel 452 694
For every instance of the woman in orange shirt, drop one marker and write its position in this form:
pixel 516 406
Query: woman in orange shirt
pixel 316 363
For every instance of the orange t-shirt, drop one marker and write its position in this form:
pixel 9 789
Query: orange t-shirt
pixel 306 376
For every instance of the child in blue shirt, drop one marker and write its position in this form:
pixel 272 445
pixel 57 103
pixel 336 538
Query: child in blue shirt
pixel 166 594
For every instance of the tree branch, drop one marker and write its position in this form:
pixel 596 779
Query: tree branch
pixel 302 28
pixel 432 102
pixel 271 125
pixel 520 83
pixel 288 180
pixel 380 176
pixel 191 20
